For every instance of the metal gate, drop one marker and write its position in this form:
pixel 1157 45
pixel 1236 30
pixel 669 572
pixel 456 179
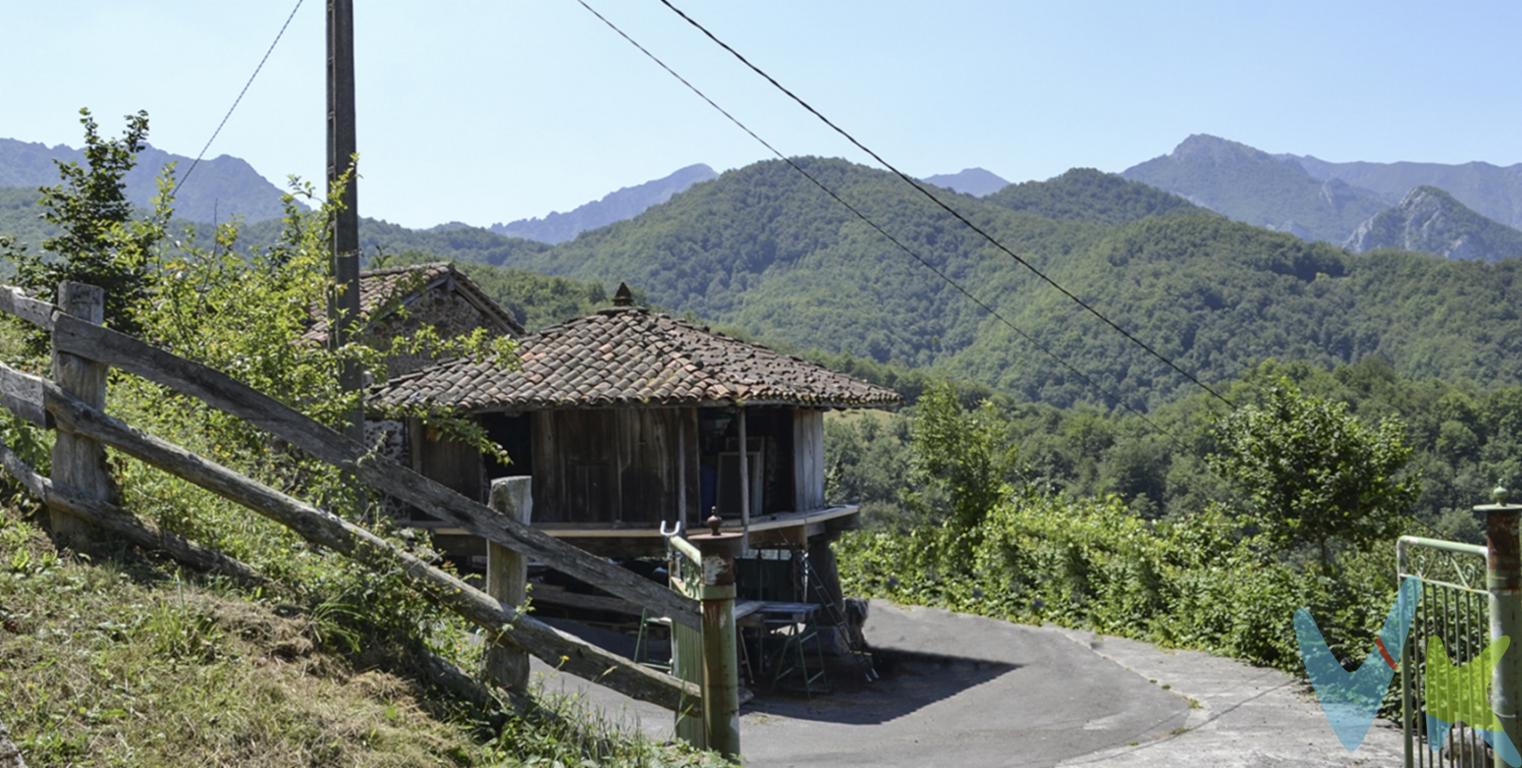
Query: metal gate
pixel 1454 608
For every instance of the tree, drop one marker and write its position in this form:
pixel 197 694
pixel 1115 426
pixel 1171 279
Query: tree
pixel 99 241
pixel 956 460
pixel 1310 473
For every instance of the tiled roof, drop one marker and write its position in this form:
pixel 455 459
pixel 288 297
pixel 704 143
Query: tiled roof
pixel 382 290
pixel 627 356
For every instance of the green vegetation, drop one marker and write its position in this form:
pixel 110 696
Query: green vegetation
pixel 1308 474
pixel 1303 513
pixel 97 239
pixel 536 300
pixel 115 660
pixel 1090 195
pixel 762 250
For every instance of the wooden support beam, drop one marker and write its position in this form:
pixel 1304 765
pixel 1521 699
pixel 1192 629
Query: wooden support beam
pixel 324 529
pixel 227 394
pixel 553 595
pixel 15 302
pixel 79 464
pixel 21 394
pixel 120 523
pixel 744 483
pixel 507 577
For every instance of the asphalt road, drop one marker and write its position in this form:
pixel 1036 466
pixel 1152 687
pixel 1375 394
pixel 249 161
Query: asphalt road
pixel 956 690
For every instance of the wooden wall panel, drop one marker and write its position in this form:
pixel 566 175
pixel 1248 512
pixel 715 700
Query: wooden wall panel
pixel 808 460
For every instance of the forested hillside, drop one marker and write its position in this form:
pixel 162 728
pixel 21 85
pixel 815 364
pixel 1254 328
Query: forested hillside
pixel 1089 195
pixel 763 250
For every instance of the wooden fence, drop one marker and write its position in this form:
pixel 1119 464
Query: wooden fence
pixel 80 495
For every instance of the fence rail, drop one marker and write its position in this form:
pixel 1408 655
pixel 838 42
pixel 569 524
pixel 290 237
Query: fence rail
pixel 74 407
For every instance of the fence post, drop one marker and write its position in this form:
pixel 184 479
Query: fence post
pixel 721 673
pixel 79 464
pixel 507 579
pixel 1503 578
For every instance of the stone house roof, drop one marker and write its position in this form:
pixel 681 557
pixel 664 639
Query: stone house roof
pixel 631 356
pixel 382 292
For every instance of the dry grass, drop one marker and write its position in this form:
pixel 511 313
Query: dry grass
pixel 100 666
pixel 123 663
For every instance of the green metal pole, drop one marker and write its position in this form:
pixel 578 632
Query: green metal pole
pixel 1503 578
pixel 721 672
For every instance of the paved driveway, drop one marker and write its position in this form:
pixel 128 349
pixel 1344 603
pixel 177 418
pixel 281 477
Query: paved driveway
pixel 957 690
pixel 965 692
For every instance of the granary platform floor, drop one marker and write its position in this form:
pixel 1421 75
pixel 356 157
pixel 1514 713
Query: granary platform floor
pixel 967 691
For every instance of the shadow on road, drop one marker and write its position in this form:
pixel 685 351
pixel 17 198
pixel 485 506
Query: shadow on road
pixel 909 681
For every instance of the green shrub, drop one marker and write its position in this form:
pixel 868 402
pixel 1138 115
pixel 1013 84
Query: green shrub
pixel 1089 563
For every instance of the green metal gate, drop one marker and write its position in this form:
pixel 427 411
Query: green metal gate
pixel 1454 608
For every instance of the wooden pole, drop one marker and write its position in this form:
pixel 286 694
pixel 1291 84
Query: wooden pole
pixel 507 579
pixel 681 472
pixel 744 483
pixel 79 463
pixel 721 662
pixel 343 310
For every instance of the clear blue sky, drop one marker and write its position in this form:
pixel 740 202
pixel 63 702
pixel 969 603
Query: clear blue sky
pixel 490 111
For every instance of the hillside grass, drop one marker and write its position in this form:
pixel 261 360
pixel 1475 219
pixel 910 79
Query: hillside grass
pixel 116 660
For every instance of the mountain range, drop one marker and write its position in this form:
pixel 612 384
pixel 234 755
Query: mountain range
pixel 1429 219
pixel 763 252
pixel 1335 202
pixel 977 182
pixel 618 205
pixel 220 189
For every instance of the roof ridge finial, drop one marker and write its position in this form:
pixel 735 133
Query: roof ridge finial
pixel 623 297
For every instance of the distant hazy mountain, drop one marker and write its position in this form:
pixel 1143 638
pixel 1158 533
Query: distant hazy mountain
pixel 220 188
pixel 1089 195
pixel 1253 186
pixel 1493 191
pixel 969 181
pixel 623 204
pixel 1431 220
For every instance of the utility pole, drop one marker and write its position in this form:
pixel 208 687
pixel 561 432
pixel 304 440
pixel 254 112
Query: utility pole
pixel 343 303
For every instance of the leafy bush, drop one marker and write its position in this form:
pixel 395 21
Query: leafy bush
pixel 1091 564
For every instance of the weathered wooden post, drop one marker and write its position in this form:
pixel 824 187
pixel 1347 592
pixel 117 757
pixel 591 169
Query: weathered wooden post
pixel 79 464
pixel 721 672
pixel 507 579
pixel 1503 577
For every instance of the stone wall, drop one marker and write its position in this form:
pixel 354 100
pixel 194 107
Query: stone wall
pixel 441 308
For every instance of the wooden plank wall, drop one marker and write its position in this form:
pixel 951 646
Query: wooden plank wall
pixel 808 460
pixel 612 466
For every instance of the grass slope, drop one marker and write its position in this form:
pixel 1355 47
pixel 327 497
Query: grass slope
pixel 123 662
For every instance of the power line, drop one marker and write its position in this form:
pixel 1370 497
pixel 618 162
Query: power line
pixel 234 106
pixel 942 204
pixel 874 225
